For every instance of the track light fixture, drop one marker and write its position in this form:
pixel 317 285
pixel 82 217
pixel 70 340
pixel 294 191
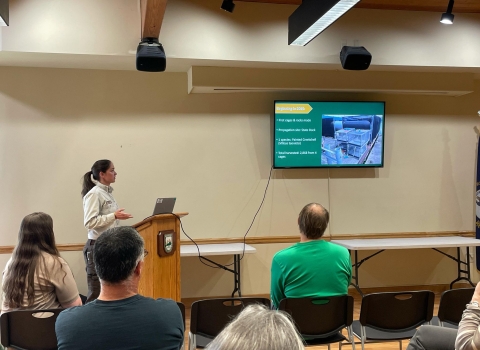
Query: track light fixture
pixel 447 17
pixel 3 13
pixel 228 5
pixel 314 16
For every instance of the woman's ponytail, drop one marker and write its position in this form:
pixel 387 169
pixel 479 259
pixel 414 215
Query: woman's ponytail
pixel 87 183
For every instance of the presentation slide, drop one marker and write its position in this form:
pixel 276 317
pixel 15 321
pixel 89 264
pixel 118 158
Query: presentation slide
pixel 328 134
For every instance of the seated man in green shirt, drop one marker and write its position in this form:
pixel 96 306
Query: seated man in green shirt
pixel 313 267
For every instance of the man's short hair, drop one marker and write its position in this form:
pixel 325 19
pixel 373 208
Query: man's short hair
pixel 116 253
pixel 313 220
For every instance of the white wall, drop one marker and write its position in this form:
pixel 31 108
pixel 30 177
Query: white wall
pixel 213 152
pixel 106 27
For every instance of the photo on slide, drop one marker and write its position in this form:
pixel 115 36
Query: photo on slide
pixel 352 139
pixel 328 134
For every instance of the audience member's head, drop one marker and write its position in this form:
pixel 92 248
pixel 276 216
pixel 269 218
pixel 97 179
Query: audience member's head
pixel 36 232
pixel 117 253
pixel 258 328
pixel 313 220
pixel 34 237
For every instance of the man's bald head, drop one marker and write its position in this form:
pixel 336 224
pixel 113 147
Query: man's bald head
pixel 313 220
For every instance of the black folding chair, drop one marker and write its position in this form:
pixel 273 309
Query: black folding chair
pixel 393 316
pixel 321 320
pixel 29 329
pixel 181 306
pixel 452 304
pixel 209 317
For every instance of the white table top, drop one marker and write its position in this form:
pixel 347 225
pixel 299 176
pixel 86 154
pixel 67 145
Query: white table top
pixel 407 243
pixel 216 249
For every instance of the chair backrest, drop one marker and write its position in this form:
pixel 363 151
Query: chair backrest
pixel 397 311
pixel 181 306
pixel 29 329
pixel 209 317
pixel 319 317
pixel 452 304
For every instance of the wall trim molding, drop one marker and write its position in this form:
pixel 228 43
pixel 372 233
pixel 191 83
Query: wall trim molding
pixel 294 239
pixel 69 247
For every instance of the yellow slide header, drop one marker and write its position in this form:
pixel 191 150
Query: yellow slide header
pixel 293 108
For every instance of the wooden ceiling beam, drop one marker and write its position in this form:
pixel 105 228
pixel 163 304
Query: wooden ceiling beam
pixel 153 12
pixel 461 6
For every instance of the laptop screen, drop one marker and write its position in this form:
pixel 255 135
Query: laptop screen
pixel 164 205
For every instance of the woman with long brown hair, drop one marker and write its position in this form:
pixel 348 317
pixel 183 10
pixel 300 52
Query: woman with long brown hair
pixel 100 212
pixel 36 277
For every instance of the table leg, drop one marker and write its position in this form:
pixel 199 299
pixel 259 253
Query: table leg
pixel 468 267
pixel 357 266
pixel 355 277
pixel 236 276
pixel 460 271
pixel 235 271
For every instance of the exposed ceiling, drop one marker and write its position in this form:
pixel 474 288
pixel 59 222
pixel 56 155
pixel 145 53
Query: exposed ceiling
pixel 154 10
pixel 464 6
pixel 152 18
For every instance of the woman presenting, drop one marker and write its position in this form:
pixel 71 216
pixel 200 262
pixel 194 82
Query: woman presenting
pixel 100 212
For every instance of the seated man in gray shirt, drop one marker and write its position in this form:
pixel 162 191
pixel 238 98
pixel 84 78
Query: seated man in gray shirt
pixel 120 318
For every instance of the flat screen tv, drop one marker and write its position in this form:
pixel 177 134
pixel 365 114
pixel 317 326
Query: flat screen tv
pixel 314 134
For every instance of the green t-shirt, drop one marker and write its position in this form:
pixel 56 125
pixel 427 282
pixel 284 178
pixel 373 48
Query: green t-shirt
pixel 310 269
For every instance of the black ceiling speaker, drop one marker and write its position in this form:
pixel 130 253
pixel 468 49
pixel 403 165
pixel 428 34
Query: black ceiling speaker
pixel 151 56
pixel 355 58
pixel 228 5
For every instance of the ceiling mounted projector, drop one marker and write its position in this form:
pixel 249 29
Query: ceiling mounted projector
pixel 151 56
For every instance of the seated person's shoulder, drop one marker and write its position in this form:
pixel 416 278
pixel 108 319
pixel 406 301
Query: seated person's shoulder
pixel 71 313
pixel 165 303
pixel 285 252
pixel 336 246
pixel 166 309
pixel 154 305
pixel 53 261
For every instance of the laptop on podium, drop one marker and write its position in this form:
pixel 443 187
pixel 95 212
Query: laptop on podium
pixel 164 206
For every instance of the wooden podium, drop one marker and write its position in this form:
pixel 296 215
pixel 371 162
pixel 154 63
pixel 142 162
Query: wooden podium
pixel 161 274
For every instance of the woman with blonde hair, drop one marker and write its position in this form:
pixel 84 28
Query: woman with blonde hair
pixel 36 277
pixel 258 328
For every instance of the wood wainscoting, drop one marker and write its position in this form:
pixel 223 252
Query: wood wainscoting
pixel 68 247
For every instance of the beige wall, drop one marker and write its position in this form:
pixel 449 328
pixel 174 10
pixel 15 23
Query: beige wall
pixel 105 27
pixel 213 152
